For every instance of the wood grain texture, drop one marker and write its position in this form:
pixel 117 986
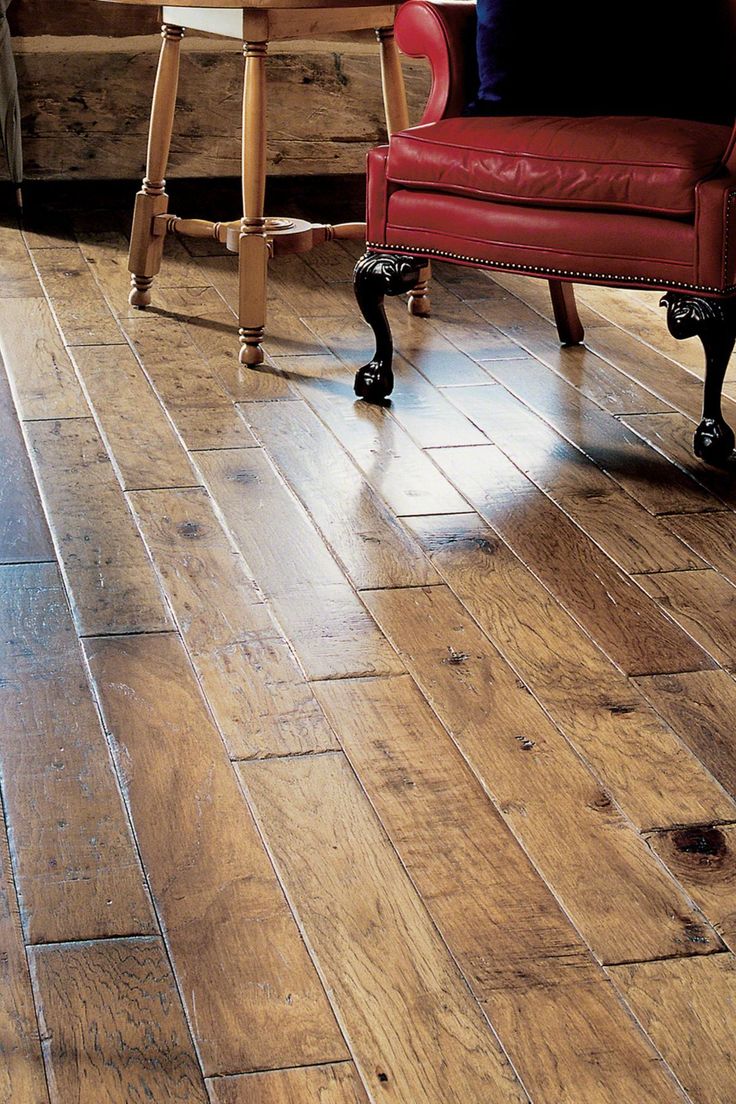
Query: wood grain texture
pixel 18 279
pixel 700 707
pixel 83 316
pixel 335 1084
pixel 396 468
pixel 41 373
pixel 397 990
pixel 687 1007
pixel 325 621
pixel 235 948
pixel 520 759
pixel 703 603
pixel 140 440
pixel 258 695
pixel 193 394
pixel 521 956
pixel 373 547
pixel 704 861
pixel 626 532
pixel 79 876
pixel 21 1065
pixel 119 993
pixel 712 536
pixel 653 777
pixel 629 627
pixel 24 535
pixel 641 470
pixel 112 585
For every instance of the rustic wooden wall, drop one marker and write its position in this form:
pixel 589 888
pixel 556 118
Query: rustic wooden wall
pixel 86 74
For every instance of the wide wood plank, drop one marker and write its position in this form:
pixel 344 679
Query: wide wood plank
pixel 142 444
pixel 672 435
pixel 417 1034
pixel 18 279
pixel 687 1007
pixel 114 1029
pixel 24 535
pixel 41 373
pixel 329 628
pixel 704 603
pixel 193 394
pixel 112 585
pixel 335 1084
pixel 521 956
pixel 78 871
pixel 654 778
pixel 235 947
pixel 393 464
pixel 373 547
pixel 21 1066
pixel 642 471
pixel 521 759
pixel 258 695
pixel 712 536
pixel 80 308
pixel 704 861
pixel 623 621
pixel 700 706
pixel 628 533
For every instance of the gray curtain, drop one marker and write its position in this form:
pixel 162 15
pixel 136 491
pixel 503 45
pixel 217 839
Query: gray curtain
pixel 9 105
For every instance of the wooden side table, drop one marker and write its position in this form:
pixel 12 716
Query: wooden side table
pixel 254 237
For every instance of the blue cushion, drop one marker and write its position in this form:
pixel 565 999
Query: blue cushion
pixel 632 57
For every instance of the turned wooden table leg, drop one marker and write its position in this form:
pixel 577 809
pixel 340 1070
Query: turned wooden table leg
pixel 146 250
pixel 253 246
pixel 397 118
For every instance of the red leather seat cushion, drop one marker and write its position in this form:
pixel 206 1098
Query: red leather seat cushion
pixel 610 163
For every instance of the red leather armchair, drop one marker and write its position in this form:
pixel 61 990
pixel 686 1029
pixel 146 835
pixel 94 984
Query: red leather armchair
pixel 621 201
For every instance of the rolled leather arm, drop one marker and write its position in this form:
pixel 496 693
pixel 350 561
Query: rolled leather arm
pixel 443 31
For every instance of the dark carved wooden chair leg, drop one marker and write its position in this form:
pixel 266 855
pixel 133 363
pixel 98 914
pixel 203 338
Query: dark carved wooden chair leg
pixel 378 275
pixel 714 322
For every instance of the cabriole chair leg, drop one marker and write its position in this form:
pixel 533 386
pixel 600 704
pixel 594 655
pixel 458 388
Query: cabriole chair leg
pixel 714 322
pixel 378 275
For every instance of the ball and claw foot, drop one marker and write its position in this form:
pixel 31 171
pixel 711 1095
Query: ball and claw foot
pixel 374 382
pixel 140 291
pixel 714 442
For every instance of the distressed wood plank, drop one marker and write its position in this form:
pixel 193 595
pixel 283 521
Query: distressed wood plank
pixel 415 1031
pixel 522 958
pixel 18 279
pixel 41 373
pixel 235 948
pixel 629 627
pixel 112 585
pixel 21 1065
pixel 259 697
pixel 653 776
pixel 82 313
pixel 396 468
pixel 700 706
pixel 628 533
pixel 24 535
pixel 78 872
pixel 687 1008
pixel 704 862
pixel 329 628
pixel 642 471
pixel 521 759
pixel 712 536
pixel 113 1025
pixel 373 547
pixel 336 1084
pixel 141 442
pixel 703 603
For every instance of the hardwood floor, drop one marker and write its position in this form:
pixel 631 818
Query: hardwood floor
pixel 356 754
